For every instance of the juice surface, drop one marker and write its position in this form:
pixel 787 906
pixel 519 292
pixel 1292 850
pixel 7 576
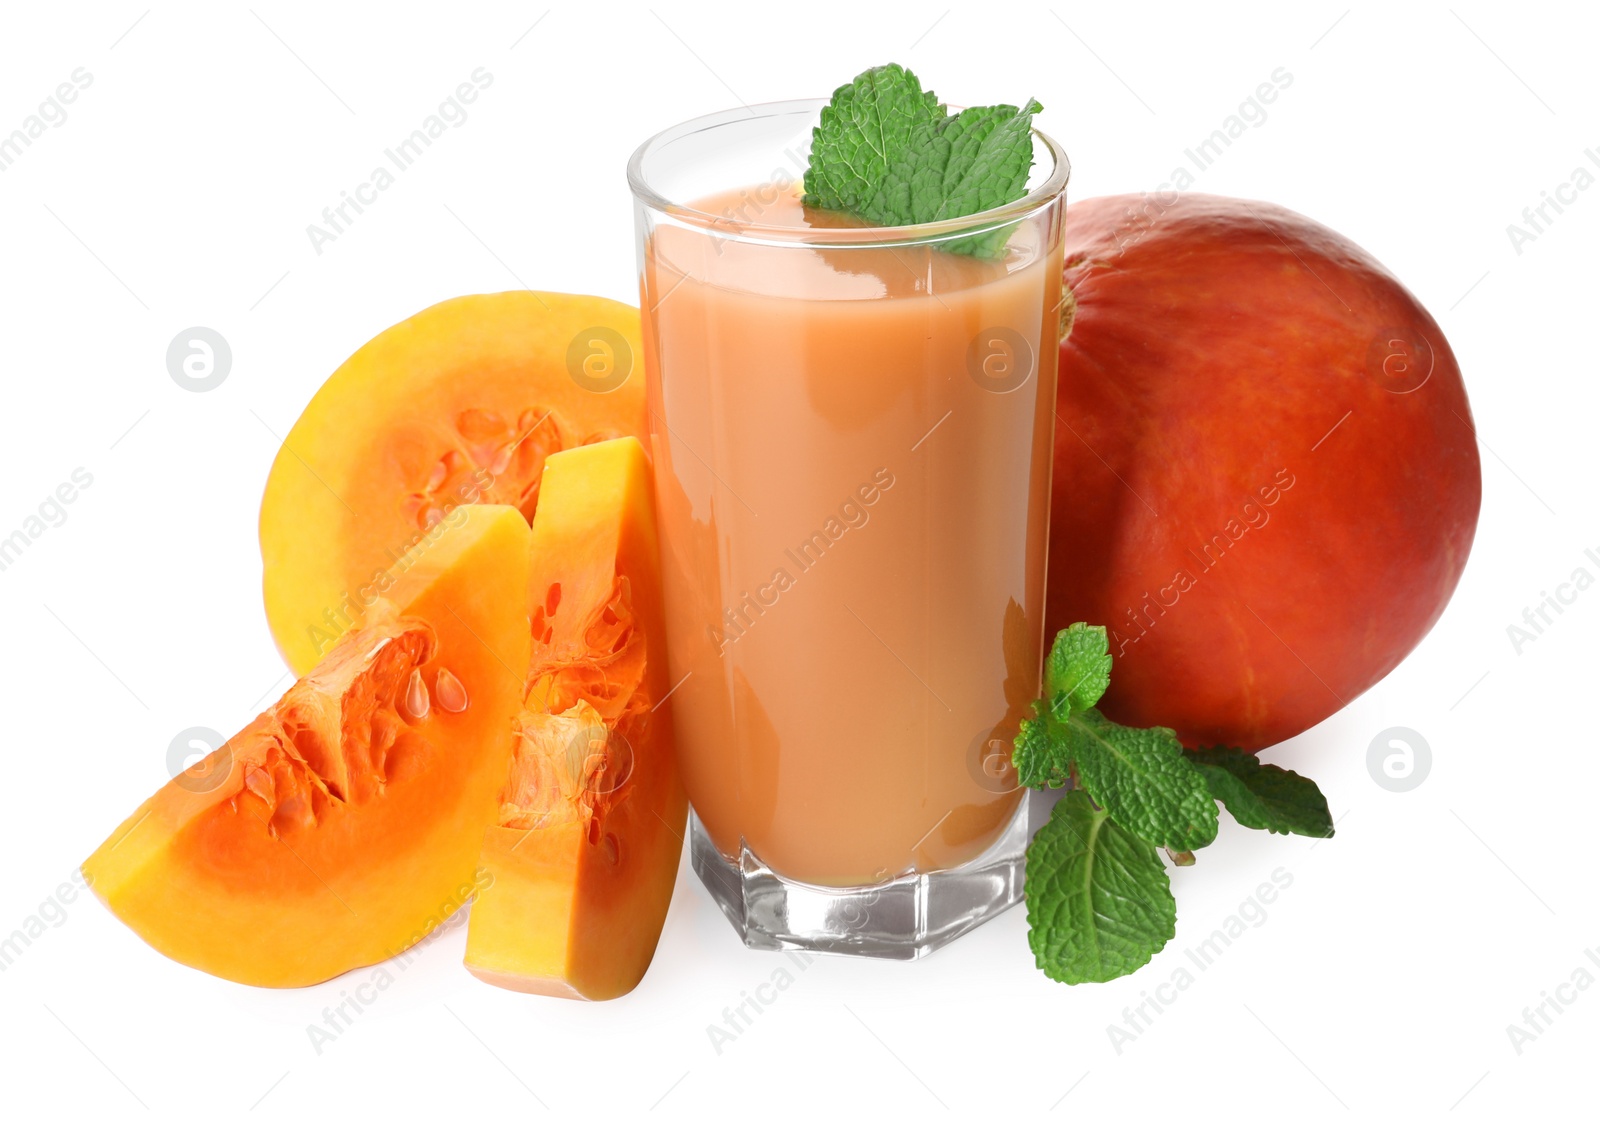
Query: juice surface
pixel 853 520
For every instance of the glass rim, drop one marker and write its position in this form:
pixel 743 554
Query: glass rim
pixel 1046 193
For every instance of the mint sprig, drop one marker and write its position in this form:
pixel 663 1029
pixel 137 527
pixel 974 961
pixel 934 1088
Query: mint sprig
pixel 888 152
pixel 1099 905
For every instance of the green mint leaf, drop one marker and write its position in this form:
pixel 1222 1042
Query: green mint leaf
pixel 1263 796
pixel 1039 757
pixel 889 153
pixel 1099 905
pixel 954 166
pixel 867 126
pixel 1077 669
pixel 1144 780
pixel 1076 672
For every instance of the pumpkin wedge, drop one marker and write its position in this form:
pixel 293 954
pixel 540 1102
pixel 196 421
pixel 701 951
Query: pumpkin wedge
pixel 585 855
pixel 460 404
pixel 344 823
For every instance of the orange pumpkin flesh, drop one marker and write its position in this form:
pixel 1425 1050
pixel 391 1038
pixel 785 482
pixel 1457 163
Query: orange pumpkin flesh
pixel 583 861
pixel 344 822
pixel 459 404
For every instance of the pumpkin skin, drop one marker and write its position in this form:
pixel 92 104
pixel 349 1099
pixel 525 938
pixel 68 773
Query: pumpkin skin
pixel 459 404
pixel 340 827
pixel 584 858
pixel 1266 476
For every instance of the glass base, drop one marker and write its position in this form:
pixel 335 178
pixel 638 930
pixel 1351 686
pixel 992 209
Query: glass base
pixel 904 918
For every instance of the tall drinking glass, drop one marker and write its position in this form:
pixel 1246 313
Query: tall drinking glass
pixel 851 429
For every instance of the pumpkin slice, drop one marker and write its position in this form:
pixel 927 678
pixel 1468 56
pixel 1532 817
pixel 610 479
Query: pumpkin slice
pixel 459 404
pixel 585 855
pixel 343 823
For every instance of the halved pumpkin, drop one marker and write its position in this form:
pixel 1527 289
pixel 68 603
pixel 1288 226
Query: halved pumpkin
pixel 585 855
pixel 459 404
pixel 343 823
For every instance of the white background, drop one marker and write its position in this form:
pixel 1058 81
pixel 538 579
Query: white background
pixel 178 192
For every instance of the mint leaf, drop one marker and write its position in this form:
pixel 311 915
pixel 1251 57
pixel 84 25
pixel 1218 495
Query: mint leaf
pixel 868 125
pixel 954 166
pixel 889 153
pixel 1263 796
pixel 1076 672
pixel 1039 757
pixel 1099 905
pixel 1077 669
pixel 1143 779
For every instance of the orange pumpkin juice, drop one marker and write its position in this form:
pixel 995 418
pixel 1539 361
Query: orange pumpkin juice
pixel 852 456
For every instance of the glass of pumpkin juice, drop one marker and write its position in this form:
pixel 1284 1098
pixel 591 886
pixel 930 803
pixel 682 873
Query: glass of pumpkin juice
pixel 851 433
